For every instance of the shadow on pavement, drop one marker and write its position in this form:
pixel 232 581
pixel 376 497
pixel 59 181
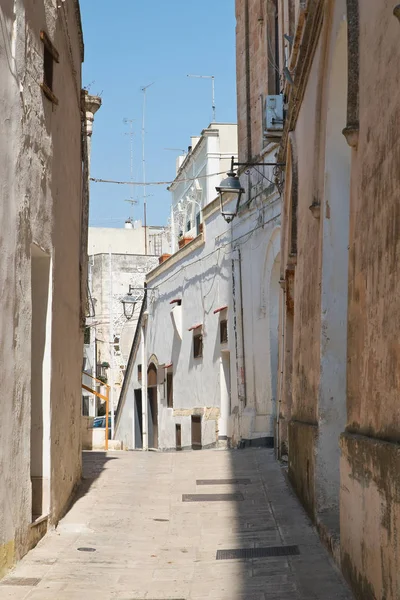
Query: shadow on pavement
pixel 93 464
pixel 270 519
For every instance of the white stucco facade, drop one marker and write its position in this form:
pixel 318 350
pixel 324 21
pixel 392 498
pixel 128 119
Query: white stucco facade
pixel 197 174
pixel 41 257
pixel 228 272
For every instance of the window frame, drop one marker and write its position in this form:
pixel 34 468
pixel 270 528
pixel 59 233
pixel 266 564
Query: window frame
pixel 50 56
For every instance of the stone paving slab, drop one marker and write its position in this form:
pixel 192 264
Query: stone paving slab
pixel 149 545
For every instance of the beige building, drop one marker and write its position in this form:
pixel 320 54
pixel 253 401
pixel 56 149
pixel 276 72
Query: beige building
pixel 42 266
pixel 339 352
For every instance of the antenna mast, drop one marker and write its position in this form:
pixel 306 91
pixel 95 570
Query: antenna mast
pixel 212 91
pixel 129 122
pixel 144 90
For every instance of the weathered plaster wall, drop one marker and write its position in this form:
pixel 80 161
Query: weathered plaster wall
pixel 126 270
pixel 40 171
pixel 369 467
pixel 316 246
pixel 307 301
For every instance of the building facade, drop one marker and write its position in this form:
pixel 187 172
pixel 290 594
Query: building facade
pixel 117 260
pixel 207 344
pixel 338 419
pixel 43 155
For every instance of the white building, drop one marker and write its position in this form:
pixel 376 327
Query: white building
pixel 117 260
pixel 42 266
pixel 205 354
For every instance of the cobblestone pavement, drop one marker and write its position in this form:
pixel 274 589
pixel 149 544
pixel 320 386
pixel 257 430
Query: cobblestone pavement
pixel 150 544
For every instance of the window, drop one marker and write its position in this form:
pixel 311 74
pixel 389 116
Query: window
pixel 50 55
pixel 170 390
pixel 198 224
pixel 198 345
pixel 223 331
pixel 86 337
pixel 189 225
pixel 139 372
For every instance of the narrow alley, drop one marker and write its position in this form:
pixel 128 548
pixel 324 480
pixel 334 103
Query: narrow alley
pixel 139 529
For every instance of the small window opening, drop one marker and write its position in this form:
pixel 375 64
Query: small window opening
pixel 139 372
pixel 170 389
pixel 198 345
pixel 50 55
pixel 178 437
pixel 86 338
pixel 223 331
pixel 198 216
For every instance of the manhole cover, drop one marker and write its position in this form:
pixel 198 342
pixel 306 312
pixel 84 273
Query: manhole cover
pixel 258 552
pixel 237 496
pixel 223 481
pixel 86 549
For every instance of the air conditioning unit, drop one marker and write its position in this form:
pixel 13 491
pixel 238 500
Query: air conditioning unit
pixel 274 113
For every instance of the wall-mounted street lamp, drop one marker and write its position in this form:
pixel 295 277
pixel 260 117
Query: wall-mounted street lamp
pixel 129 301
pixel 230 188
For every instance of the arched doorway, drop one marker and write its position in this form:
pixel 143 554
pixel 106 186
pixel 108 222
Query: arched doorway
pixel 153 406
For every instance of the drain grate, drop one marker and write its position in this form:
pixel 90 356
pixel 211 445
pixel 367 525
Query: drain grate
pixel 258 552
pixel 237 496
pixel 222 481
pixel 86 549
pixel 23 581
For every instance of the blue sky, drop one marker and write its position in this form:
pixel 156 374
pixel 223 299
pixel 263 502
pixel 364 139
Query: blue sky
pixel 129 44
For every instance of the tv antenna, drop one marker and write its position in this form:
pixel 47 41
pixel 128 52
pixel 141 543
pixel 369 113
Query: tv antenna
pixel 130 133
pixel 144 90
pixel 212 90
pixel 182 150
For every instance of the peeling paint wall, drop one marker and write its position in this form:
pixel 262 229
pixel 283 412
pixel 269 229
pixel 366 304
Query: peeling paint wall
pixel 340 382
pixel 370 502
pixel 41 182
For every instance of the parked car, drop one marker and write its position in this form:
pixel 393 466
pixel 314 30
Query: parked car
pixel 100 422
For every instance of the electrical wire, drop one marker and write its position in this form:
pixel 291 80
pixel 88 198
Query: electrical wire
pixel 96 180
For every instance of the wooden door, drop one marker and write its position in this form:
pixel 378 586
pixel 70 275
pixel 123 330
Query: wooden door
pixel 196 432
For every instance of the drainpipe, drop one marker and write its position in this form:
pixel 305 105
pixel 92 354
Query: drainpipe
pixel 238 325
pixel 145 414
